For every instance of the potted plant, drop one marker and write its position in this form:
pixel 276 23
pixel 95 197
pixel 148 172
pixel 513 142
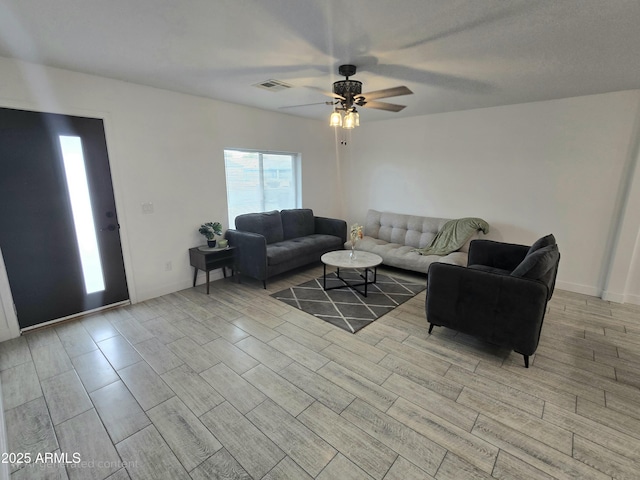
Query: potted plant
pixel 210 230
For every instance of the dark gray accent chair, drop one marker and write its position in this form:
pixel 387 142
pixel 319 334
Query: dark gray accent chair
pixel 500 297
pixel 270 243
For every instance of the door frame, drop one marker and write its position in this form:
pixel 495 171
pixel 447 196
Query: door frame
pixel 6 298
pixel 9 327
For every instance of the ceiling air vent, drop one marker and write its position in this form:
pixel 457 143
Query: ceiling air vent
pixel 273 85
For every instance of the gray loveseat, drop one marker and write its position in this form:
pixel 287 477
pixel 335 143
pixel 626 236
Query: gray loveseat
pixel 273 242
pixel 395 236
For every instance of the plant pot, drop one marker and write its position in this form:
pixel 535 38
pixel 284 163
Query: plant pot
pixel 211 243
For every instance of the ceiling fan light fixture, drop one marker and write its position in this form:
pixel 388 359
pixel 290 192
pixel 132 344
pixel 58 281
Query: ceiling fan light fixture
pixel 349 121
pixel 336 119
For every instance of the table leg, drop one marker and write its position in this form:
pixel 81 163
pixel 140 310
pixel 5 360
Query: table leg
pixel 195 275
pixel 207 282
pixel 366 280
pixel 324 277
pixel 370 276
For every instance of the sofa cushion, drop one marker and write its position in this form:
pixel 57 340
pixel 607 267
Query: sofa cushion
pixel 311 247
pixel 536 265
pixel 397 228
pixel 297 222
pixel 403 256
pixel 268 224
pixel 542 242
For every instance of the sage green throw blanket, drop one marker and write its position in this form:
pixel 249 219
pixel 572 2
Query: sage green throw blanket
pixel 454 234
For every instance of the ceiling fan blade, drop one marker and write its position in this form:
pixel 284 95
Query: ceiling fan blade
pixel 328 94
pixel 391 107
pixel 305 105
pixel 387 92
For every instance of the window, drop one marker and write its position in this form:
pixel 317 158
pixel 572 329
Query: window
pixel 261 181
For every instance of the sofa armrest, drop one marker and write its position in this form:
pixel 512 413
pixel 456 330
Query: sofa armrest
pixel 506 256
pixel 251 253
pixel 331 226
pixel 502 309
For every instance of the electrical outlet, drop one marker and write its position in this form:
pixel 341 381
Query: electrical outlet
pixel 168 266
pixel 147 207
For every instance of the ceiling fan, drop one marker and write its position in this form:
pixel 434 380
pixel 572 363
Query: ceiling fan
pixel 348 95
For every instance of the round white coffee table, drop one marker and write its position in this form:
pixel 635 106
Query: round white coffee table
pixel 342 259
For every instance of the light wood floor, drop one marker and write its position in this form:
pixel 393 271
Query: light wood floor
pixel 238 385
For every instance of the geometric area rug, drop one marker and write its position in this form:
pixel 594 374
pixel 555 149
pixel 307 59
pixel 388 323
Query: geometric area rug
pixel 346 308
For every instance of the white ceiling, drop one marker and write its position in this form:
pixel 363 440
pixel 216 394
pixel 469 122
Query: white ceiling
pixel 453 54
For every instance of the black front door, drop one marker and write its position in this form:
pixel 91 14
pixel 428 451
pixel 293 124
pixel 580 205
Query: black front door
pixel 59 229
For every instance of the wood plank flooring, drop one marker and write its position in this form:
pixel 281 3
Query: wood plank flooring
pixel 238 385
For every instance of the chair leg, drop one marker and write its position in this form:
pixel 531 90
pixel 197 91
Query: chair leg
pixel 526 361
pixel 430 327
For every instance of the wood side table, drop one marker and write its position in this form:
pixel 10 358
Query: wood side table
pixel 207 259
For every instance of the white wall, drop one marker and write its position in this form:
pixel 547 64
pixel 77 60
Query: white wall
pixel 557 166
pixel 167 148
pixel 623 282
pixel 547 167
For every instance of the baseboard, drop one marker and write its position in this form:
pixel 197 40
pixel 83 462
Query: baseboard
pixel 633 299
pixel 6 334
pixel 177 286
pixel 161 290
pixel 614 297
pixel 578 288
pixel 595 292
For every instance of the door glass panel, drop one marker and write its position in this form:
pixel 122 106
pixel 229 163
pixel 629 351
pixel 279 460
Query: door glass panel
pixel 78 189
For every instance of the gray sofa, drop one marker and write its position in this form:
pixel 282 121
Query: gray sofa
pixel 270 243
pixel 394 236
